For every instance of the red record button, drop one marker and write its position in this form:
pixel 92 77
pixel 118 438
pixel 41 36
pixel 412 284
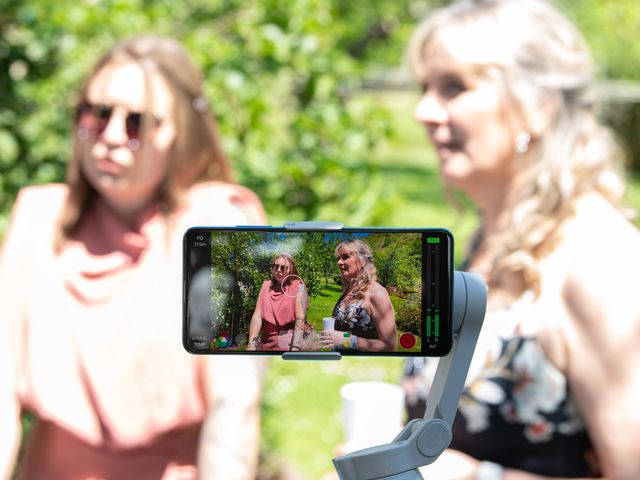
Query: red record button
pixel 407 340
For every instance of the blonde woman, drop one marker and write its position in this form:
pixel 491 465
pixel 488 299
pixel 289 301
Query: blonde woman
pixel 508 105
pixel 364 315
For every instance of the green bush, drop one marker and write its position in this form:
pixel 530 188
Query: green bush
pixel 280 77
pixel 408 318
pixel 611 29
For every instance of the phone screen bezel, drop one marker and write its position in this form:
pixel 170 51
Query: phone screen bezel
pixel 438 348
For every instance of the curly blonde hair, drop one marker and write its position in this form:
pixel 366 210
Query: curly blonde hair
pixel 368 272
pixel 539 58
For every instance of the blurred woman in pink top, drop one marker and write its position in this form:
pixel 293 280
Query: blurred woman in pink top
pixel 90 290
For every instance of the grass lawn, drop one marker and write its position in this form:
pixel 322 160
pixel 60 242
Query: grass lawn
pixel 322 305
pixel 301 410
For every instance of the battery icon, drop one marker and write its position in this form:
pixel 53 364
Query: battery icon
pixel 433 239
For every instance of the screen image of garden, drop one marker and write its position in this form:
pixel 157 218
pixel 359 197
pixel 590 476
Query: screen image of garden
pixel 241 262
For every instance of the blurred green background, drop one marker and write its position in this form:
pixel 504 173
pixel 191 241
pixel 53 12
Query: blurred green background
pixel 316 115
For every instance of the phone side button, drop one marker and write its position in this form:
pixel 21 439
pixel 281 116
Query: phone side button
pixel 311 356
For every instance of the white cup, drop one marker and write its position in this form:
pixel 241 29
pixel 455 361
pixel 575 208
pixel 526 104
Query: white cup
pixel 328 323
pixel 372 413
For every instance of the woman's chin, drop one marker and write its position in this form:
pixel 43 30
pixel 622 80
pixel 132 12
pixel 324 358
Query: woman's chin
pixel 453 178
pixel 455 168
pixel 108 184
pixel 347 278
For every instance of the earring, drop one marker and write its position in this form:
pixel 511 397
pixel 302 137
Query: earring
pixel 83 133
pixel 200 104
pixel 522 142
pixel 133 144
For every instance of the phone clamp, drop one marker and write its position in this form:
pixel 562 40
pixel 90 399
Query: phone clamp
pixel 311 356
pixel 313 226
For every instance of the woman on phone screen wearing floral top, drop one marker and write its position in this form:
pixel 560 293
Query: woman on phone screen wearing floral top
pixel 364 315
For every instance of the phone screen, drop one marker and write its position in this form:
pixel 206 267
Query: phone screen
pixel 358 291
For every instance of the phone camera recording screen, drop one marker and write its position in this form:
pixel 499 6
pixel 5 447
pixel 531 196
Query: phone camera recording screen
pixel 269 290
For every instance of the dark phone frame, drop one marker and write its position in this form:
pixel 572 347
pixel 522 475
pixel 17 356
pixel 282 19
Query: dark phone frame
pixel 439 346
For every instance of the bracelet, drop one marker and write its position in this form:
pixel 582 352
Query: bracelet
pixel 354 341
pixel 489 471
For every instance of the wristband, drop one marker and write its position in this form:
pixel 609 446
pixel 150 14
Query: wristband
pixel 489 471
pixel 354 341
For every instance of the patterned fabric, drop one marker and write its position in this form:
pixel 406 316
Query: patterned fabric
pixel 518 412
pixel 353 317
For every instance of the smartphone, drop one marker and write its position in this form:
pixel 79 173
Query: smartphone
pixel 357 291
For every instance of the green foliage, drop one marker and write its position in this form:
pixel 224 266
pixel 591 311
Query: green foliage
pixel 408 317
pixel 316 263
pixel 236 282
pixel 611 30
pixel 396 258
pixel 279 75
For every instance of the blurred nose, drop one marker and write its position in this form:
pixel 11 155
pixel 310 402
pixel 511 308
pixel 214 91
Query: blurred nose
pixel 430 110
pixel 115 132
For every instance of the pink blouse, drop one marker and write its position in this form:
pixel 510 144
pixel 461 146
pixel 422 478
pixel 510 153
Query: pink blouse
pixel 96 335
pixel 278 310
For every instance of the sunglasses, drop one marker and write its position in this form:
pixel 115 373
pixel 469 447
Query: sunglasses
pixel 96 117
pixel 279 266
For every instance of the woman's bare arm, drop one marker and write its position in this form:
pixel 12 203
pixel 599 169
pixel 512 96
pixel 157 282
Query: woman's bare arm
pixel 230 437
pixel 384 319
pixel 301 303
pixel 255 325
pixel 604 363
pixel 9 415
pixel 14 271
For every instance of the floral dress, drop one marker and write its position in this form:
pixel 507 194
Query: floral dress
pixel 352 316
pixel 518 412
